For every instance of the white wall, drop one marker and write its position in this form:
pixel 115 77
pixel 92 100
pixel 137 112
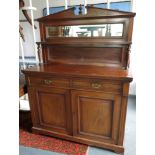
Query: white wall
pixel 28 35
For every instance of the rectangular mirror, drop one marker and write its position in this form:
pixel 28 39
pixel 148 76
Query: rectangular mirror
pixel 102 30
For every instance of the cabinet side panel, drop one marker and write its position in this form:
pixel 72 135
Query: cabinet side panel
pixel 32 102
pixel 123 113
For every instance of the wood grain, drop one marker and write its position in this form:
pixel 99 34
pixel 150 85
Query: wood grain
pixel 80 91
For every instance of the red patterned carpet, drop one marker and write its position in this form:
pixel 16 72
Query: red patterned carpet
pixel 29 139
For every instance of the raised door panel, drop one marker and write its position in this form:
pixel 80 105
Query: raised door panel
pixel 96 116
pixel 51 105
pixel 53 109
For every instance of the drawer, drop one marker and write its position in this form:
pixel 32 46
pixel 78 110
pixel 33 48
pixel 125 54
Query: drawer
pixel 49 81
pixel 97 84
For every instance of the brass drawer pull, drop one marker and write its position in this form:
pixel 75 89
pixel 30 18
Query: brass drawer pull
pixel 96 85
pixel 48 81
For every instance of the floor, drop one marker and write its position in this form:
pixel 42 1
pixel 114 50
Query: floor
pixel 129 142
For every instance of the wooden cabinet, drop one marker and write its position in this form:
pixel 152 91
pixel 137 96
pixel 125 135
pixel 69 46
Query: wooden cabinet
pixel 77 108
pixel 80 91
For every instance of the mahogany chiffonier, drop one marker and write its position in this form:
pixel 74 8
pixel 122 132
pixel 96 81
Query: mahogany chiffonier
pixel 79 92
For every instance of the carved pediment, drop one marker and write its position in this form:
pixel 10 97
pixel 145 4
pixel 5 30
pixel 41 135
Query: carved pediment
pixel 92 12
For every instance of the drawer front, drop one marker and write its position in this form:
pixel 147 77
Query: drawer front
pixel 49 81
pixel 97 84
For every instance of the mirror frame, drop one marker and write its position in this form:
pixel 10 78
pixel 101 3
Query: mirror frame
pixel 104 36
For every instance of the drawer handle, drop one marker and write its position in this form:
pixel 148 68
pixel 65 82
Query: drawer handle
pixel 96 85
pixel 48 81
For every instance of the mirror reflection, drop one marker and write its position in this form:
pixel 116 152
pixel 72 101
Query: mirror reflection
pixel 102 30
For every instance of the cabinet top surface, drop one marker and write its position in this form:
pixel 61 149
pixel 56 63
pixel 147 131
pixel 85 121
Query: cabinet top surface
pixel 80 70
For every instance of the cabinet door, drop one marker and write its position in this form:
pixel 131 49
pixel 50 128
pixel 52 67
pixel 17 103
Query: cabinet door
pixel 96 116
pixel 51 109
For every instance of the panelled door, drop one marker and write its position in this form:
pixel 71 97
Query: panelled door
pixel 96 115
pixel 51 109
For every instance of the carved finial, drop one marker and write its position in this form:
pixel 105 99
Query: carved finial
pixel 80 9
pixel 39 50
